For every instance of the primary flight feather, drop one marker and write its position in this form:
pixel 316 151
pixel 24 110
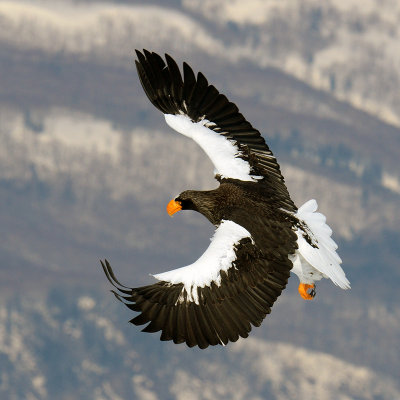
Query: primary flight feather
pixel 260 234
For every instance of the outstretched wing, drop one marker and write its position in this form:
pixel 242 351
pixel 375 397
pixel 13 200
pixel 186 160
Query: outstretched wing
pixel 215 300
pixel 197 110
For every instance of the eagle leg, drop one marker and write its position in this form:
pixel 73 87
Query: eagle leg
pixel 307 292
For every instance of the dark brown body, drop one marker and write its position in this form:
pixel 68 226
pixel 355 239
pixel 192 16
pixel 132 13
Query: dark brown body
pixel 223 308
pixel 249 204
pixel 246 291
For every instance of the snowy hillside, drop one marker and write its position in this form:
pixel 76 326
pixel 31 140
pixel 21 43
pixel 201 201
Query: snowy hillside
pixel 350 49
pixel 91 156
pixel 78 348
pixel 101 30
pixel 87 166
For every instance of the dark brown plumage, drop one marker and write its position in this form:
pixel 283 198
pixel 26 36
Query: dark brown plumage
pixel 247 265
pixel 247 291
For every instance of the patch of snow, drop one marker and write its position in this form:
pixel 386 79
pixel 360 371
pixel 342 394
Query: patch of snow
pixel 142 387
pixel 86 303
pixel 83 29
pixel 273 362
pixel 92 367
pixel 391 182
pixel 39 383
pixel 110 332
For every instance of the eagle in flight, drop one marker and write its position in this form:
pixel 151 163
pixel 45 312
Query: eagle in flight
pixel 260 234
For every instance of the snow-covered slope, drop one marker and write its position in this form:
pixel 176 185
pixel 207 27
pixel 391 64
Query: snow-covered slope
pixel 350 49
pixel 87 166
pixel 94 156
pixel 100 30
pixel 73 345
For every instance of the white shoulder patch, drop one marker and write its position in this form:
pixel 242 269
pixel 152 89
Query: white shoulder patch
pixel 218 257
pixel 323 257
pixel 222 152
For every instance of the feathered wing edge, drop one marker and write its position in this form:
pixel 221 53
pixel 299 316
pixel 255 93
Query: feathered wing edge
pixel 173 94
pixel 223 313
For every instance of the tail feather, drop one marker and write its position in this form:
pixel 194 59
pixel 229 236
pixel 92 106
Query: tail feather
pixel 322 253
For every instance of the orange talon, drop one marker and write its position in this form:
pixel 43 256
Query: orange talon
pixel 303 287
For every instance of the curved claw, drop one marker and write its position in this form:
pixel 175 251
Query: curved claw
pixel 307 292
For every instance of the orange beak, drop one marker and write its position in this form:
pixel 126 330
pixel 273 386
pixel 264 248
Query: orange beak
pixel 173 207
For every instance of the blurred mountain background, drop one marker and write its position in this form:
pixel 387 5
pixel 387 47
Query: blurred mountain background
pixel 87 166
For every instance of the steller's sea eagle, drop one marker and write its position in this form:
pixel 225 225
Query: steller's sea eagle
pixel 260 234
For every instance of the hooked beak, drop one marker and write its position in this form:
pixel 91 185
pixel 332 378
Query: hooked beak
pixel 173 207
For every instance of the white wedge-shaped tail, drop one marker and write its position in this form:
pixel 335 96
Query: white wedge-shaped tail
pixel 318 259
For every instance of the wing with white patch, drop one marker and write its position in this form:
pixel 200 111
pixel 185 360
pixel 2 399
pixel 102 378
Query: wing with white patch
pixel 196 109
pixel 315 245
pixel 219 257
pixel 214 300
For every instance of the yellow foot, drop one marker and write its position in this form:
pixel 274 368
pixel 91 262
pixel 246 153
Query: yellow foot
pixel 304 293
